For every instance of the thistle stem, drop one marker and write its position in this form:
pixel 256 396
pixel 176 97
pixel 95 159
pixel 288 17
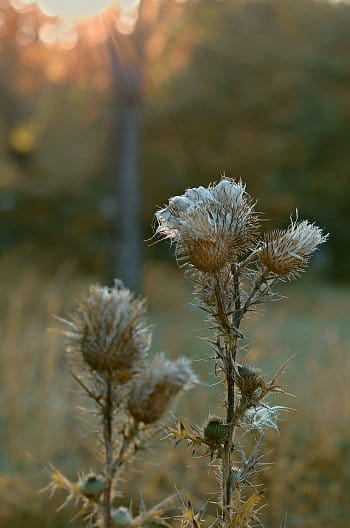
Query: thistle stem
pixel 108 443
pixel 229 353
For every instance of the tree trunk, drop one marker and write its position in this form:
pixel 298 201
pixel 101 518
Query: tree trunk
pixel 126 121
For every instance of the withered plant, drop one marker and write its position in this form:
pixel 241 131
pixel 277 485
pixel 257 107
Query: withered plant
pixel 216 235
pixel 107 344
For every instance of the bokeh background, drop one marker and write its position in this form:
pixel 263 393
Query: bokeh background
pixel 101 120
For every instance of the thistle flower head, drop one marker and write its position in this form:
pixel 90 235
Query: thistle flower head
pixel 286 252
pixel 156 388
pixel 108 332
pixel 210 226
pixel 250 382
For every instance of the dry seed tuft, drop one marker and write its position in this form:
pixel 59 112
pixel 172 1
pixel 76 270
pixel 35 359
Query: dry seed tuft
pixel 249 381
pixel 286 252
pixel 156 388
pixel 108 332
pixel 210 226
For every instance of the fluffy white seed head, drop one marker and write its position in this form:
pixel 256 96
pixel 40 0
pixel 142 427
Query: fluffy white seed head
pixel 155 389
pixel 265 416
pixel 286 252
pixel 108 333
pixel 210 226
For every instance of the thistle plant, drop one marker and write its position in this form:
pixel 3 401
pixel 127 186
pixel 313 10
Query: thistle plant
pixel 107 345
pixel 215 231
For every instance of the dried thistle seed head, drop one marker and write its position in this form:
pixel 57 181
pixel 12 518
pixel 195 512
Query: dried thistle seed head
pixel 209 225
pixel 249 380
pixel 91 486
pixel 121 516
pixel 286 252
pixel 215 430
pixel 205 255
pixel 108 332
pixel 155 389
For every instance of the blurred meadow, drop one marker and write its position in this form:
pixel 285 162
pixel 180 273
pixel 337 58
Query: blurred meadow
pixel 102 119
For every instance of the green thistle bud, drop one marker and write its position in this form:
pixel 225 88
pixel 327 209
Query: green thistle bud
pixel 235 476
pixel 245 370
pixel 91 486
pixel 216 431
pixel 121 516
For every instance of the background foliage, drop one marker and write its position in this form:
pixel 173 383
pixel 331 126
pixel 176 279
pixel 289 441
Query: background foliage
pixel 257 90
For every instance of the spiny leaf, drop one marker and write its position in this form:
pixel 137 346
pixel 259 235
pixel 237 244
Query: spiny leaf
pixel 180 433
pixel 189 518
pixel 284 522
pixel 245 511
pixel 280 371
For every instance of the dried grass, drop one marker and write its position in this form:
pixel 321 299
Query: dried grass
pixel 311 473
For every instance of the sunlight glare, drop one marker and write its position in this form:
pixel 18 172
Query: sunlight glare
pixel 125 24
pixel 48 34
pixel 18 5
pixel 26 32
pixel 73 8
pixel 128 4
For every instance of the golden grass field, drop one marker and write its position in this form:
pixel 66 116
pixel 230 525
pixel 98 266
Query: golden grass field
pixel 39 423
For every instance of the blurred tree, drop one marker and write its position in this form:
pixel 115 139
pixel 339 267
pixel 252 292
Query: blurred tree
pixel 127 81
pixel 129 31
pixel 131 56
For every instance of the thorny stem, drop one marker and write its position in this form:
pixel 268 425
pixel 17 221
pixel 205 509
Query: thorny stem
pixel 114 467
pixel 230 324
pixel 120 461
pixel 95 397
pixel 108 443
pixel 251 298
pixel 237 313
pixel 231 341
pixel 129 449
pixel 249 259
